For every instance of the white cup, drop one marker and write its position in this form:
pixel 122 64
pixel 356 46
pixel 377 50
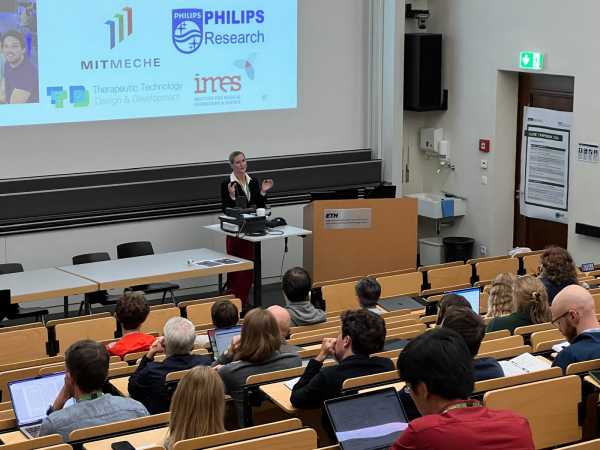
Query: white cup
pixel 261 212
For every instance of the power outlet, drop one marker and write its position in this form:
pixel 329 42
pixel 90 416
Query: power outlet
pixel 483 250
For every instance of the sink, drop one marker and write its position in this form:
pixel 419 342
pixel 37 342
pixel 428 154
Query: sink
pixel 430 205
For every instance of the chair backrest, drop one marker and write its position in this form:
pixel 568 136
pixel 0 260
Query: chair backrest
pixel 544 336
pixel 449 276
pixel 10 268
pixel 87 258
pixel 588 445
pixel 515 380
pixel 434 294
pixel 367 380
pixel 199 314
pixel 58 447
pixel 276 375
pixel 243 434
pixel 487 270
pixel 529 329
pixel 551 406
pixel 23 345
pixel 32 363
pixel 187 303
pixel 305 439
pixel 531 263
pixel 95 329
pixel 119 427
pixel 131 249
pixel 501 344
pixel 317 326
pixel 392 272
pixel 32 444
pixel 583 366
pixel 403 284
pixel 340 296
pixel 320 284
pixel 496 335
pixel 159 315
pixel 505 353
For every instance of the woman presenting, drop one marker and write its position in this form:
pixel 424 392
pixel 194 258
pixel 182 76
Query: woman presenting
pixel 241 188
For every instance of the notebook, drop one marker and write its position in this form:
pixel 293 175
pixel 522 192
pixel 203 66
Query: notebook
pixel 372 420
pixel 31 399
pixel 525 363
pixel 220 339
pixel 472 296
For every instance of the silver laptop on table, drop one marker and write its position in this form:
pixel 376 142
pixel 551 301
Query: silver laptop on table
pixel 31 399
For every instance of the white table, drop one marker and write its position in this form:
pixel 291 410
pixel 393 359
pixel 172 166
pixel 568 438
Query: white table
pixel 33 285
pixel 272 233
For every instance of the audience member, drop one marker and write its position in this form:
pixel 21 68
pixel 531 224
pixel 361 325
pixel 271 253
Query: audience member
pixel 558 270
pixel 368 291
pixel 574 313
pixel 530 306
pixel 436 367
pixel 282 317
pixel 197 407
pixel 86 365
pixel 500 302
pixel 224 314
pixel 448 301
pixel 472 329
pixel 132 310
pixel 362 333
pixel 256 351
pixel 296 286
pixel 147 384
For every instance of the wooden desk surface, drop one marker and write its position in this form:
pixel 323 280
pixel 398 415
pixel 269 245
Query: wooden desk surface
pixel 33 285
pixel 279 394
pixel 141 439
pixel 157 268
pixel 121 384
pixel 13 437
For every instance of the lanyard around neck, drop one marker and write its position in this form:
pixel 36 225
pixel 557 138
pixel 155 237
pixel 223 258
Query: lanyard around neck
pixel 461 405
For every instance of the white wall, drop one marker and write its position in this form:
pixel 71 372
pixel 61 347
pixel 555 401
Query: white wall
pixel 482 41
pixel 332 96
pixel 332 115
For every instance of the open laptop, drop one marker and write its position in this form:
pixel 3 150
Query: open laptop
pixel 31 399
pixel 402 302
pixel 220 339
pixel 369 421
pixel 471 294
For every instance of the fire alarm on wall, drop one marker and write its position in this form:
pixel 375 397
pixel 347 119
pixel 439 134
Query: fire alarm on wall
pixel 485 145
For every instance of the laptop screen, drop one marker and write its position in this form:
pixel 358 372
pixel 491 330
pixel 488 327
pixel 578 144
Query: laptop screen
pixel 472 296
pixel 220 339
pixel 32 397
pixel 371 420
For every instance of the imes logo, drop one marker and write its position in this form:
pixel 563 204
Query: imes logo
pixel 118 27
pixel 187 29
pixel 78 96
pixel 214 85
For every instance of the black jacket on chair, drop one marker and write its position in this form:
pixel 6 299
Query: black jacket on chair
pixel 147 384
pixel 320 384
pixel 256 199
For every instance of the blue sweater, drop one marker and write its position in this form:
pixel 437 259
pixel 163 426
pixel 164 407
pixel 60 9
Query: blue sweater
pixel 584 347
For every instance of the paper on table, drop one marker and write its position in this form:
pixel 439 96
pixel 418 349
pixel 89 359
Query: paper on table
pixel 291 383
pixel 559 347
pixel 521 364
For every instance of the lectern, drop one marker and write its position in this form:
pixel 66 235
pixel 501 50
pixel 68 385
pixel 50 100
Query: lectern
pixel 359 237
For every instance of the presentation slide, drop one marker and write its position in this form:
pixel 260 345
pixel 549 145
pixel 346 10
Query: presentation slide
pixel 75 60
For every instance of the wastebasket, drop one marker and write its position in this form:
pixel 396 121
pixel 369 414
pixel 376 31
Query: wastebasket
pixel 458 248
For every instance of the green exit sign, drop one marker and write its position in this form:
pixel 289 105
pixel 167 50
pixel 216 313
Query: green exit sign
pixel 531 60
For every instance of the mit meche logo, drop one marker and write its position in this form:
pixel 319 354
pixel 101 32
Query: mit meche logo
pixel 192 28
pixel 119 29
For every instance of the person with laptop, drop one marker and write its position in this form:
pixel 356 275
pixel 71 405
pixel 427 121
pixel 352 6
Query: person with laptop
pixel 86 365
pixel 530 306
pixel 574 314
pixel 224 314
pixel 436 367
pixel 362 333
pixel 368 291
pixel 448 301
pixel 296 284
pixel 147 383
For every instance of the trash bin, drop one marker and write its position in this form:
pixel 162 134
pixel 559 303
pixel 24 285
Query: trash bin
pixel 458 248
pixel 431 251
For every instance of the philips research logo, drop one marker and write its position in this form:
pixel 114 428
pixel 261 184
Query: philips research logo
pixel 118 28
pixel 191 28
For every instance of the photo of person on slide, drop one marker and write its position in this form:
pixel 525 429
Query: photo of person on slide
pixel 18 52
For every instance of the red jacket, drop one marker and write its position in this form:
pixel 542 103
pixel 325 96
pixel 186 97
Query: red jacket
pixel 465 429
pixel 131 343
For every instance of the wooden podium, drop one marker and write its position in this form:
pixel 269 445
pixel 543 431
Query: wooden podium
pixel 359 237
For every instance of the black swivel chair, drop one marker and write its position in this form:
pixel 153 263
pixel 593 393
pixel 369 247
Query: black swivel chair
pixel 143 248
pixel 101 297
pixel 14 311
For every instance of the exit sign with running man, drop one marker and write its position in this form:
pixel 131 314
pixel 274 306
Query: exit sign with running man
pixel 531 60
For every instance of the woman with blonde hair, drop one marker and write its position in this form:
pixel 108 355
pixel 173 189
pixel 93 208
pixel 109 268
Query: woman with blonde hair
pixel 197 407
pixel 530 306
pixel 500 302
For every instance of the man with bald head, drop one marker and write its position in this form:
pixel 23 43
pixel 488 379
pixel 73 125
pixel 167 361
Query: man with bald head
pixel 574 314
pixel 282 317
